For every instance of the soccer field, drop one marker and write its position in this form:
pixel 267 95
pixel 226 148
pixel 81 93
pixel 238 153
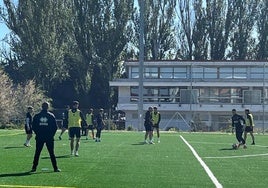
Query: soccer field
pixel 184 160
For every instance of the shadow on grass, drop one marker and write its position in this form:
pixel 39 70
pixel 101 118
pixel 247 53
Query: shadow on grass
pixel 58 157
pixel 14 147
pixel 16 174
pixel 139 144
pixel 224 149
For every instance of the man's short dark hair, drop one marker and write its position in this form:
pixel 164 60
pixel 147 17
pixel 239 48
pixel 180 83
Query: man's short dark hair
pixel 75 102
pixel 45 106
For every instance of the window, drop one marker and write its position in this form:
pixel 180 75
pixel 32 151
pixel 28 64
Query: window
pixel 164 95
pixel 240 73
pixel 225 95
pixel 150 94
pixel 258 72
pixel 210 73
pixel 197 72
pixel 134 94
pixel 134 72
pixel 166 72
pixel 180 72
pixel 226 72
pixel 151 72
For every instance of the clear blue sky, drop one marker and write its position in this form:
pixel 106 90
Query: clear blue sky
pixel 3 29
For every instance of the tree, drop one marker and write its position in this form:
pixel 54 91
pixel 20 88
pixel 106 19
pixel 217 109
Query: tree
pixel 159 31
pixel 242 41
pixel 100 30
pixel 16 97
pixel 262 27
pixel 38 39
pixel 7 102
pixel 220 20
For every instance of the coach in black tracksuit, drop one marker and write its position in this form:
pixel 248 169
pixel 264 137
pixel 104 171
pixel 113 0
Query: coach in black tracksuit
pixel 45 127
pixel 237 123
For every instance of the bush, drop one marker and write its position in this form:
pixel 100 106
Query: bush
pixel 14 99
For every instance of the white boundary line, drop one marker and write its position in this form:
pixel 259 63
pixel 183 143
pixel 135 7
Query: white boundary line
pixel 203 164
pixel 237 156
pixel 31 186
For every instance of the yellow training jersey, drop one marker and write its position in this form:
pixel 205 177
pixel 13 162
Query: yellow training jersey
pixel 249 118
pixel 89 119
pixel 74 119
pixel 155 117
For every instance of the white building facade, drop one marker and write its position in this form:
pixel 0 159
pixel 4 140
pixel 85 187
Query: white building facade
pixel 195 95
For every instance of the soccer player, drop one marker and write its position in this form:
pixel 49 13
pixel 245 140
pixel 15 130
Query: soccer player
pixel 90 123
pixel 44 127
pixel 237 122
pixel 64 121
pixel 75 119
pixel 148 124
pixel 100 124
pixel 156 116
pixel 249 126
pixel 28 126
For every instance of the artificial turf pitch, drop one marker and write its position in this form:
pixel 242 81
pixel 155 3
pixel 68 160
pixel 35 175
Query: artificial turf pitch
pixel 123 160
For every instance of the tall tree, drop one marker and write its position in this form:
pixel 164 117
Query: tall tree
pixel 38 39
pixel 220 21
pixel 245 12
pixel 262 27
pixel 159 31
pixel 185 28
pixel 101 32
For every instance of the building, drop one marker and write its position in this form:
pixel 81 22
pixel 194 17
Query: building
pixel 195 95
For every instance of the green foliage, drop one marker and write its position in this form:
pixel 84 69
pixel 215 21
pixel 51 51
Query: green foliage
pixel 262 27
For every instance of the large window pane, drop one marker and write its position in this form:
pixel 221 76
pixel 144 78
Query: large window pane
pixel 134 72
pixel 180 72
pixel 210 73
pixel 151 72
pixel 166 72
pixel 240 73
pixel 197 72
pixel 225 72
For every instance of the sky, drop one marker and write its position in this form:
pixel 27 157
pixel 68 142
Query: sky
pixel 3 29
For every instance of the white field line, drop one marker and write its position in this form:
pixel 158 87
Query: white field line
pixel 203 164
pixel 238 156
pixel 13 134
pixel 214 143
pixel 31 186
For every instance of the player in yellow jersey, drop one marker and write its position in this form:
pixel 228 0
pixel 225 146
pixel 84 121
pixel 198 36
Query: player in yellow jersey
pixel 74 120
pixel 249 126
pixel 156 116
pixel 90 122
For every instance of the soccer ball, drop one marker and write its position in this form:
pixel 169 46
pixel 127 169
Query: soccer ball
pixel 234 146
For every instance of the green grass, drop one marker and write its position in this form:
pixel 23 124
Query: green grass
pixel 122 160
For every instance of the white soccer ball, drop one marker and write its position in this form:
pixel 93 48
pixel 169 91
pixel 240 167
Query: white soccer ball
pixel 234 146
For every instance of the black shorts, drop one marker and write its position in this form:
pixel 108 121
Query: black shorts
pixel 90 127
pixel 75 132
pixel 64 126
pixel 30 131
pixel 148 127
pixel 249 128
pixel 156 126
